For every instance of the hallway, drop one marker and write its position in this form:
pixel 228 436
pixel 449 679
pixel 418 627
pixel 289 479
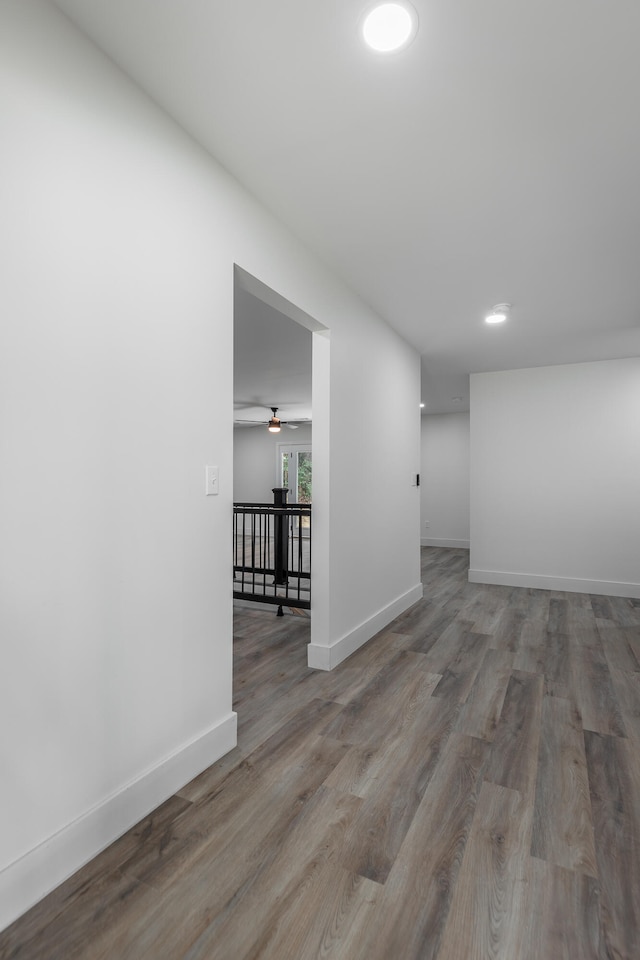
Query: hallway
pixel 467 785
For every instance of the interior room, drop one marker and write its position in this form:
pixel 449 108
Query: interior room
pixel 383 255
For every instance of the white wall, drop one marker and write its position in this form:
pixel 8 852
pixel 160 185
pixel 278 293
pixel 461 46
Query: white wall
pixel 555 477
pixel 444 480
pixel 117 243
pixel 255 459
pixel 372 501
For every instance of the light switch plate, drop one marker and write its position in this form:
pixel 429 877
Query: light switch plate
pixel 211 481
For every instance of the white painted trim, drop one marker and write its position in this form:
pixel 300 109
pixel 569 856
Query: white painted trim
pixel 327 657
pixel 434 542
pixel 606 588
pixel 40 870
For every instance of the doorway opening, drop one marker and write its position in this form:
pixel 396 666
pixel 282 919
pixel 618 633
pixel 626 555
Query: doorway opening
pixel 281 359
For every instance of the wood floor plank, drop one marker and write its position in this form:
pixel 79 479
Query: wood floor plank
pixel 438 621
pixel 558 621
pixel 508 627
pixel 614 781
pixel 625 611
pixel 450 645
pixel 485 608
pixel 384 704
pixel 601 608
pixel 557 668
pixel 413 907
pixel 592 690
pixel 514 753
pixel 403 774
pixel 587 651
pixel 627 692
pixel 360 669
pixel 562 825
pixel 416 620
pixel 532 649
pixel 561 915
pixel 365 767
pixel 533 603
pixel 272 894
pixel 479 715
pixel 621 646
pixel 462 670
pixel 488 906
pixel 327 918
pixel 572 614
pixel 633 639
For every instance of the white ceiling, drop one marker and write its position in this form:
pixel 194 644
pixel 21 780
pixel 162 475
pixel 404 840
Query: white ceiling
pixel 271 362
pixel 496 159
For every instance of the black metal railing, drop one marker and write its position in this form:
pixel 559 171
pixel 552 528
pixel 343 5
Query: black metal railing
pixel 272 552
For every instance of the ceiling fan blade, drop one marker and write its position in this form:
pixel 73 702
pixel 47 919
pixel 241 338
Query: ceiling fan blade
pixel 291 424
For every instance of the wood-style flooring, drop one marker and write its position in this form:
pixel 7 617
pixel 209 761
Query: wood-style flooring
pixel 464 787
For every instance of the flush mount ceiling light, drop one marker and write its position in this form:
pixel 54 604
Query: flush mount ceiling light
pixel 498 314
pixel 388 27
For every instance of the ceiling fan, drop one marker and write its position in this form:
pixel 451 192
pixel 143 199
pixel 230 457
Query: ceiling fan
pixel 275 423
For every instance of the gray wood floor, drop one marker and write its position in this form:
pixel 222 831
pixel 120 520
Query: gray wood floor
pixel 465 787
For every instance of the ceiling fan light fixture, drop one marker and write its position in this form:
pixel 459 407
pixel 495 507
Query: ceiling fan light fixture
pixel 498 314
pixel 388 27
pixel 274 422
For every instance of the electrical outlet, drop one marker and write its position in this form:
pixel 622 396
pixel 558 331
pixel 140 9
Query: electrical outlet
pixel 427 524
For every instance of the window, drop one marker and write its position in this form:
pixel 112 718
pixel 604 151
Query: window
pixel 294 471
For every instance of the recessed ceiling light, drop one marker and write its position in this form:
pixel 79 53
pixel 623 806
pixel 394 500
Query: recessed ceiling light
pixel 390 26
pixel 498 314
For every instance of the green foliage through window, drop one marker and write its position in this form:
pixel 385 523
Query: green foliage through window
pixel 304 478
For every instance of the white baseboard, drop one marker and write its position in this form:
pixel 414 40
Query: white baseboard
pixel 40 870
pixel 434 542
pixel 326 658
pixel 606 588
